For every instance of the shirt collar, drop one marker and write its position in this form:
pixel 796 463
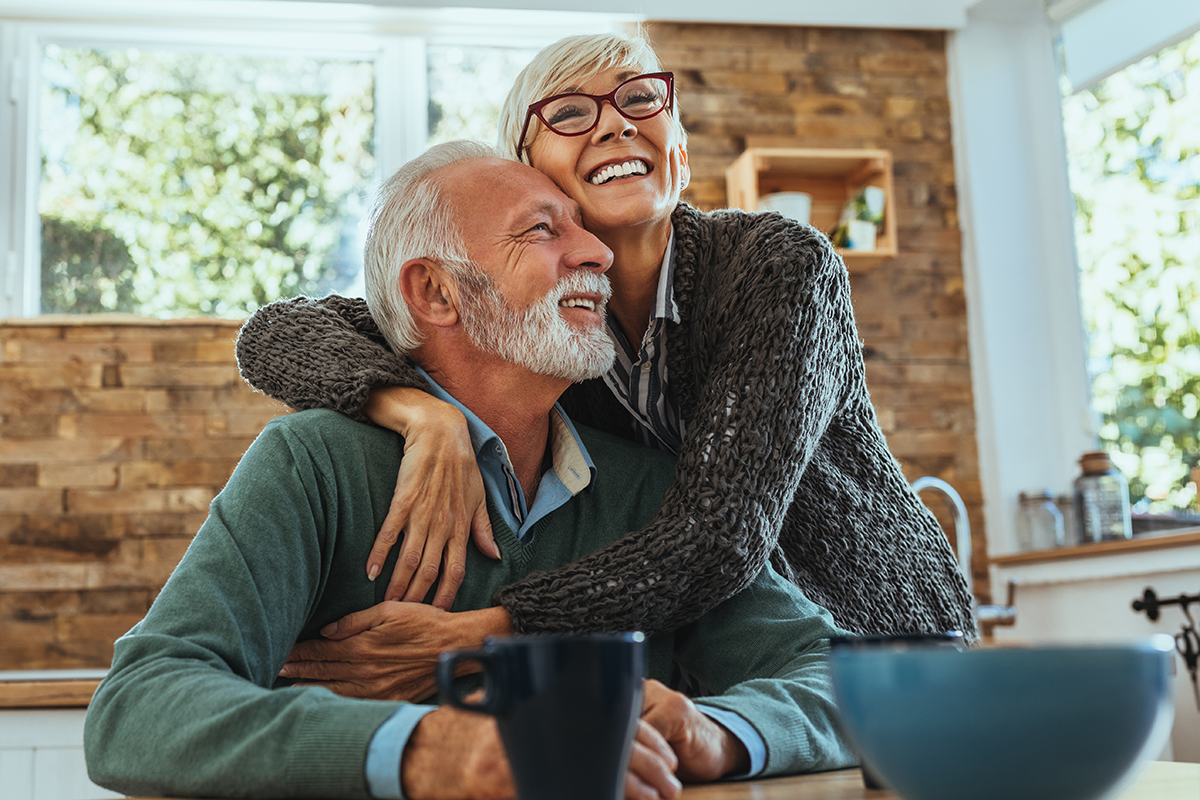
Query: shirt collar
pixel 664 296
pixel 569 457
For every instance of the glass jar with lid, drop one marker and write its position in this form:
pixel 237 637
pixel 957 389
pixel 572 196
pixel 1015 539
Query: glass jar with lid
pixel 1039 522
pixel 1102 506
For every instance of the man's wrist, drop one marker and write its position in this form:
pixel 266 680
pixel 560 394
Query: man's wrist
pixel 736 756
pixel 743 751
pixel 485 622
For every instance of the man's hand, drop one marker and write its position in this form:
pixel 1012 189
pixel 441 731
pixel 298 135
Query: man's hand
pixel 390 651
pixel 455 755
pixel 706 749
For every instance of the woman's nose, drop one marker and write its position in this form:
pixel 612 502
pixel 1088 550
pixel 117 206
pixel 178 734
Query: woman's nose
pixel 612 123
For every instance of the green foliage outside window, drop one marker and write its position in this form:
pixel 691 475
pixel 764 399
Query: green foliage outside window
pixel 180 184
pixel 1134 150
pixel 467 87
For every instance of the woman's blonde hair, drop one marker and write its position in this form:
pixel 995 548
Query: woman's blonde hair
pixel 566 65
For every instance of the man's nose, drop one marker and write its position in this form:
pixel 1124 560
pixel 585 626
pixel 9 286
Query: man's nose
pixel 612 123
pixel 588 252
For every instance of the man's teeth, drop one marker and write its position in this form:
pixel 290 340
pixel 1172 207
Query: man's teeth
pixel 618 171
pixel 577 302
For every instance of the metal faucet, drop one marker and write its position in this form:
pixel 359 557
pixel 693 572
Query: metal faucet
pixel 988 616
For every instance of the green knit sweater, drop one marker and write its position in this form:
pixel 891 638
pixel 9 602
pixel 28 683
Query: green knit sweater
pixel 191 705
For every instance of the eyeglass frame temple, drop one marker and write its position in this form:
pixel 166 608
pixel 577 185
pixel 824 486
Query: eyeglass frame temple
pixel 535 109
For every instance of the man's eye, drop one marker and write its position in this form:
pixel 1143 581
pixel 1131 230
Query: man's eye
pixel 541 226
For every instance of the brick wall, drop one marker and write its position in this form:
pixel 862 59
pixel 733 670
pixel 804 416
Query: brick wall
pixel 114 437
pixel 764 86
pixel 115 434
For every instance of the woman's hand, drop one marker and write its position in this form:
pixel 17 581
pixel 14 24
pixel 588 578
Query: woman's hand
pixel 390 651
pixel 439 499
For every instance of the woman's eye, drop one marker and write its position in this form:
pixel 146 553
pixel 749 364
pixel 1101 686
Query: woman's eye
pixel 639 98
pixel 563 114
pixel 641 101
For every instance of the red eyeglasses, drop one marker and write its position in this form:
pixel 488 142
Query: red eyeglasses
pixel 576 113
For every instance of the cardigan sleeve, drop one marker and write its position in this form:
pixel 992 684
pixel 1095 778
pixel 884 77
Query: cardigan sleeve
pixel 772 356
pixel 325 353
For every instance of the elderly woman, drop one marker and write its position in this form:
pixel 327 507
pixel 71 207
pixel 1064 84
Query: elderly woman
pixel 736 350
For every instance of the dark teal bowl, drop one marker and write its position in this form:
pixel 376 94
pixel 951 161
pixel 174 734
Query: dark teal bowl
pixel 1037 723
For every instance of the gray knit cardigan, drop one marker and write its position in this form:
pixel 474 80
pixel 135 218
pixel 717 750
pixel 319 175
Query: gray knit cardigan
pixel 783 457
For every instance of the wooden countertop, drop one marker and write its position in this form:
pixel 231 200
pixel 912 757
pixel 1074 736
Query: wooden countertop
pixel 1161 780
pixel 73 689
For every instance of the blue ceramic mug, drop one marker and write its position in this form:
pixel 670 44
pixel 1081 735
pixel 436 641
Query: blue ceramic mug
pixel 567 709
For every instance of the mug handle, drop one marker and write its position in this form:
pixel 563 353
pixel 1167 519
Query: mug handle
pixel 490 702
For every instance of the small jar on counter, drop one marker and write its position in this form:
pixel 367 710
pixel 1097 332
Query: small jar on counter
pixel 1066 507
pixel 1039 522
pixel 1102 508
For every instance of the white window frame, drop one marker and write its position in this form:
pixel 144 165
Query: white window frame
pixel 395 39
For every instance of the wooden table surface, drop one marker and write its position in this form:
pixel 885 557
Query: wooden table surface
pixel 1161 780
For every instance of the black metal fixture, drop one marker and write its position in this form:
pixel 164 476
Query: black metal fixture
pixel 1187 641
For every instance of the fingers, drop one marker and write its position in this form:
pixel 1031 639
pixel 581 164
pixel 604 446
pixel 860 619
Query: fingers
pixel 356 622
pixel 317 670
pixel 667 711
pixel 454 570
pixel 481 532
pixel 389 533
pixel 651 768
pixel 418 565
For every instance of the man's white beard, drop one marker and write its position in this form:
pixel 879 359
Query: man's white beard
pixel 538 338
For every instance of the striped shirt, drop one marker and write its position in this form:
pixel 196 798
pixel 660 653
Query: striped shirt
pixel 638 377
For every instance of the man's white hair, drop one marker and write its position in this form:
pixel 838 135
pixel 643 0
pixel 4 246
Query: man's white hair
pixel 410 218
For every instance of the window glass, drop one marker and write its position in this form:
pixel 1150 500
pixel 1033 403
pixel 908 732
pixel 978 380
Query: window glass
pixel 180 184
pixel 1134 149
pixel 467 87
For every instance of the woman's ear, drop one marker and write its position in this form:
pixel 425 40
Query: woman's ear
pixel 685 172
pixel 429 292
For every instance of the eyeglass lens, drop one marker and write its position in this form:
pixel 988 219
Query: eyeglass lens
pixel 638 98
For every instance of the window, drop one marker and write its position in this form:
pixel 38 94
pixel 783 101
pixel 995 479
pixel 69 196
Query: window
pixel 1134 154
pixel 171 170
pixel 176 183
pixel 467 86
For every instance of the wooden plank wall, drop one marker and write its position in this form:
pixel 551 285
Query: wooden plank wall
pixel 115 435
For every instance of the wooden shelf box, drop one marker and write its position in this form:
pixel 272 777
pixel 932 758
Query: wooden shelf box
pixel 830 176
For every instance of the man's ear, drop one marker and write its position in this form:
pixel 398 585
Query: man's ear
pixel 429 291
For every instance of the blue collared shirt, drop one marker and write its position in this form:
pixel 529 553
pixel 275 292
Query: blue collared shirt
pixel 571 472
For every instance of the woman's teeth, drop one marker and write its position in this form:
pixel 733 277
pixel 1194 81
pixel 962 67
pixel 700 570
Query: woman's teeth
pixel 618 171
pixel 577 302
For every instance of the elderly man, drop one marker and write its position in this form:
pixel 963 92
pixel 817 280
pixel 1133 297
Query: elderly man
pixel 501 325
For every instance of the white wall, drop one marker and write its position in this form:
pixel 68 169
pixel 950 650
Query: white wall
pixel 1026 333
